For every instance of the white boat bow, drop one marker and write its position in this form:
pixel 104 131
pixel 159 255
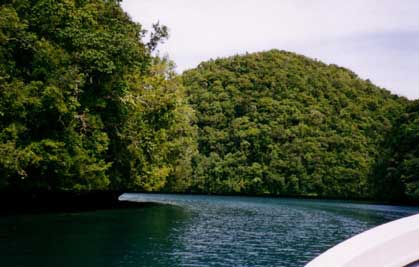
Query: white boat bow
pixel 394 244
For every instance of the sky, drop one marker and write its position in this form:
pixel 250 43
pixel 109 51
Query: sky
pixel 377 39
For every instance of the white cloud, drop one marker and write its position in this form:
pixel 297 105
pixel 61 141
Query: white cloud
pixel 341 32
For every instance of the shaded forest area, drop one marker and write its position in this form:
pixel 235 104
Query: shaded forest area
pixel 86 105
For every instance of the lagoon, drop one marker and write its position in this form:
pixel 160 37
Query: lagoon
pixel 190 230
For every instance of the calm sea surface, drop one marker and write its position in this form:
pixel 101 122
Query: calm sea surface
pixel 189 231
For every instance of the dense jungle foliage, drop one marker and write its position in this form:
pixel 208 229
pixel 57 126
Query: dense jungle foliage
pixel 279 123
pixel 397 172
pixel 85 105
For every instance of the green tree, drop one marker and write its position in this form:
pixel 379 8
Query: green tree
pixel 396 175
pixel 158 136
pixel 69 71
pixel 279 123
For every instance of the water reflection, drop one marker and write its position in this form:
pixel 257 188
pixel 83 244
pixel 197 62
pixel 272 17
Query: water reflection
pixel 134 237
pixel 196 231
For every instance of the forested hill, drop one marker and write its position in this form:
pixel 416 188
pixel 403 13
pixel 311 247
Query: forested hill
pixel 279 123
pixel 396 175
pixel 85 105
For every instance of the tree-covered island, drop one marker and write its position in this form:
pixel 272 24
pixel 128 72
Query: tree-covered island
pixel 85 105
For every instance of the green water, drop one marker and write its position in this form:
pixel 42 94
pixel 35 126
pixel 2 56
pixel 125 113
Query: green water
pixel 189 231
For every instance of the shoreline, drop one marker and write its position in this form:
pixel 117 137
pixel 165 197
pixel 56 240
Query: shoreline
pixel 55 202
pixel 324 198
pixel 12 203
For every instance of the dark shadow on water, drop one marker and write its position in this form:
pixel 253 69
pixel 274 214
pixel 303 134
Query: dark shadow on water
pixel 130 237
pixel 195 231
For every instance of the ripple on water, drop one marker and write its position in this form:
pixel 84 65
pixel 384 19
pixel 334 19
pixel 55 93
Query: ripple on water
pixel 239 231
pixel 190 231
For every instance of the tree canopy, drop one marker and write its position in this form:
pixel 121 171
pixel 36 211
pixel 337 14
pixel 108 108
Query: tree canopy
pixel 279 123
pixel 85 104
pixel 78 89
pixel 396 175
